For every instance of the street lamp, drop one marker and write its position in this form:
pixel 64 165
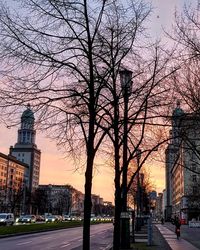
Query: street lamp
pixel 138 181
pixel 138 220
pixel 126 84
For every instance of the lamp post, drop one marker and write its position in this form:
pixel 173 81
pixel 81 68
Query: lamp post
pixel 138 222
pixel 126 84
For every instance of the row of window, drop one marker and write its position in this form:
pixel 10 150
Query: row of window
pixel 3 167
pixel 20 154
pixel 16 172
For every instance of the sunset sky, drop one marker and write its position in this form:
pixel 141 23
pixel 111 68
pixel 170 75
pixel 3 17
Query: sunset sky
pixel 57 170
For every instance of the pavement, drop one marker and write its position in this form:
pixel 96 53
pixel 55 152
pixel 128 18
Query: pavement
pixel 164 238
pixel 141 239
pixel 172 241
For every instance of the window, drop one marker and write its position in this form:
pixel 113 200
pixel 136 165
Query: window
pixel 194 190
pixel 28 136
pixel 194 178
pixel 194 168
pixel 24 136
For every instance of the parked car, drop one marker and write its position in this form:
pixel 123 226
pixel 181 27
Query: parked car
pixel 67 217
pixel 28 218
pixel 59 218
pixel 6 219
pixel 51 218
pixel 40 218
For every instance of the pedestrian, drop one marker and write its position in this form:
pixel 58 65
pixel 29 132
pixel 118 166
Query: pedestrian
pixel 177 227
pixel 162 220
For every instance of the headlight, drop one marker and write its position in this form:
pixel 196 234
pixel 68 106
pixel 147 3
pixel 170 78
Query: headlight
pixel 53 219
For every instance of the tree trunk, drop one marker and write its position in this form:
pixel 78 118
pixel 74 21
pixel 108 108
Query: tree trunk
pixel 88 183
pixel 87 205
pixel 116 236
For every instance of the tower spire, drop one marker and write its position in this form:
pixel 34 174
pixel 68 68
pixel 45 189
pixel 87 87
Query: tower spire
pixel 26 135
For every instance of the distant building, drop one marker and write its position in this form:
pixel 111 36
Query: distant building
pixel 164 203
pixel 152 195
pixel 108 208
pixel 77 202
pixel 183 166
pixel 159 208
pixel 25 150
pixel 12 184
pixel 58 199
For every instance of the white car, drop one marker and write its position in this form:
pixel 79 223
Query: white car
pixel 6 219
pixel 28 218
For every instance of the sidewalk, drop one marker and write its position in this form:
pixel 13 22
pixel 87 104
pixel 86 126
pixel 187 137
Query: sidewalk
pixel 141 240
pixel 163 239
pixel 172 241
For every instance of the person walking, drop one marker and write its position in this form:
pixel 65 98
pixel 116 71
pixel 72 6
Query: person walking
pixel 177 227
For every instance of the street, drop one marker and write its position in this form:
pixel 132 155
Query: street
pixel 68 239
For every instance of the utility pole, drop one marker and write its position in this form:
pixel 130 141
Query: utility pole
pixel 138 222
pixel 126 84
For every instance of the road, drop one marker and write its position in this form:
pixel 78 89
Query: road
pixel 66 239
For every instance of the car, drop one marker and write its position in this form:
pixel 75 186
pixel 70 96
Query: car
pixel 40 218
pixel 59 218
pixel 6 219
pixel 67 217
pixel 51 218
pixel 28 218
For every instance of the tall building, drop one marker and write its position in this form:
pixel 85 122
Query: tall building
pixel 12 180
pixel 183 166
pixel 25 150
pixel 158 207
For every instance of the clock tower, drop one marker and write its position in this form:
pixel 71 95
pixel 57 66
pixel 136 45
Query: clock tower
pixel 25 150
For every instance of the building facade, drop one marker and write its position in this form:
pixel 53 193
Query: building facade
pixel 183 167
pixel 159 207
pixel 13 176
pixel 25 150
pixel 55 199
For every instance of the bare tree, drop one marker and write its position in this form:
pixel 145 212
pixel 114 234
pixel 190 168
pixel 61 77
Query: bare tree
pixel 61 57
pixel 40 201
pixel 145 110
pixel 186 33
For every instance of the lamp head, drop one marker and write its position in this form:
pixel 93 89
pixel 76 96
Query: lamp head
pixel 125 78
